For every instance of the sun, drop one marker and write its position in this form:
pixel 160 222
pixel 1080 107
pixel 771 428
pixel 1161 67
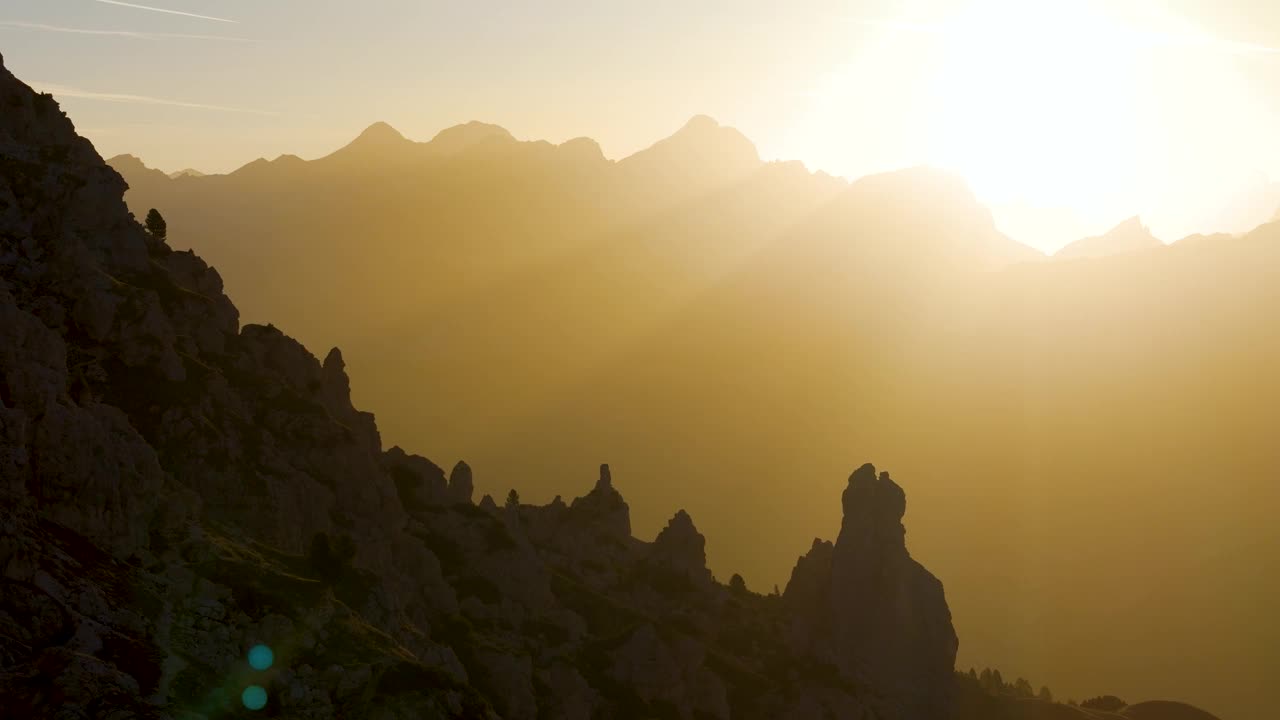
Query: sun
pixel 1065 117
pixel 1036 103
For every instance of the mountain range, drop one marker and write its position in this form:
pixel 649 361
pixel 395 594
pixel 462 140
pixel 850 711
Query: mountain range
pixel 515 303
pixel 1087 443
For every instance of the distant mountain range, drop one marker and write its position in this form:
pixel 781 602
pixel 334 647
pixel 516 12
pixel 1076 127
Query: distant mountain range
pixel 1073 425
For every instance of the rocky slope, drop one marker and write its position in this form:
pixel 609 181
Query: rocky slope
pixel 178 488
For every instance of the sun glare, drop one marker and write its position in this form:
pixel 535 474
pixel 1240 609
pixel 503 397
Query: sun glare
pixel 1035 102
pixel 1064 116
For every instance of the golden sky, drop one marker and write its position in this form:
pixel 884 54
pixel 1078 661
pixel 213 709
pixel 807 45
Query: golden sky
pixel 1066 116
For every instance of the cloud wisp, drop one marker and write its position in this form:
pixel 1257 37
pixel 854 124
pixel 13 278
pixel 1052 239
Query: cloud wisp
pixel 166 11
pixel 72 92
pixel 130 34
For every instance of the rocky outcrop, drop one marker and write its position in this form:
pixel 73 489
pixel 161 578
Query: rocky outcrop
pixel 867 605
pixel 461 486
pixel 891 619
pixel 419 482
pixel 681 549
pixel 603 508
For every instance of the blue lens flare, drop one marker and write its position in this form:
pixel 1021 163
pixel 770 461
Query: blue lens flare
pixel 261 657
pixel 254 697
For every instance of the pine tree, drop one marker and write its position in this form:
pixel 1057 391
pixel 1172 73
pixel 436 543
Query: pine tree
pixel 513 498
pixel 1022 688
pixel 987 681
pixel 156 225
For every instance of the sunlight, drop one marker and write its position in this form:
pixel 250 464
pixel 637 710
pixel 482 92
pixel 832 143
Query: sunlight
pixel 1065 118
pixel 1036 103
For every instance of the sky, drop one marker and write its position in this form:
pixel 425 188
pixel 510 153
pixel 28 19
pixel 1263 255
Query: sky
pixel 1066 116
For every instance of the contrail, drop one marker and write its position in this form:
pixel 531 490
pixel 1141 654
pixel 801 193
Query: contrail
pixel 166 11
pixel 118 33
pixel 71 92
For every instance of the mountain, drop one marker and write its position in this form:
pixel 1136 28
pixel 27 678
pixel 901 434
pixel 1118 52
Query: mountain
pixel 181 493
pixel 142 175
pixel 534 307
pixel 179 487
pixel 701 153
pixel 188 172
pixel 1128 237
pixel 462 137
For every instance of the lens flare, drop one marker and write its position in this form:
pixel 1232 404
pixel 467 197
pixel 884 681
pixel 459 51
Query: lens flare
pixel 261 657
pixel 254 697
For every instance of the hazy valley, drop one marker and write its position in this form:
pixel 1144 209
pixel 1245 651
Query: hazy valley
pixel 1067 425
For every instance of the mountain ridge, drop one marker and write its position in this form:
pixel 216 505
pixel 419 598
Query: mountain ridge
pixel 1129 236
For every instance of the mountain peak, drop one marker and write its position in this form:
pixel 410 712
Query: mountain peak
pixel 700 124
pixel 1127 237
pixel 381 133
pixel 701 148
pixel 127 160
pixel 135 171
pixel 461 137
pixel 377 139
pixel 1131 225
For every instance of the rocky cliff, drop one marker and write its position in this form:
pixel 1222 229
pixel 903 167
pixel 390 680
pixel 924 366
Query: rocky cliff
pixel 177 489
pixel 866 605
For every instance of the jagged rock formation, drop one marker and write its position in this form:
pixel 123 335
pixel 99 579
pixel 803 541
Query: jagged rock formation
pixel 461 486
pixel 681 549
pixel 866 605
pixel 603 508
pixel 890 616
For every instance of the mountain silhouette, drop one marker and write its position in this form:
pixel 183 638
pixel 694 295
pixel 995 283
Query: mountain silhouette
pixel 1072 425
pixel 1128 237
pixel 183 492
pixel 702 152
pixel 461 137
pixel 1083 442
